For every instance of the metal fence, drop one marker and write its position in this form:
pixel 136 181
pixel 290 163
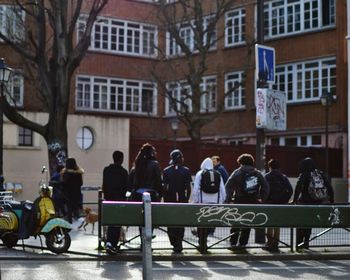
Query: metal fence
pixel 320 237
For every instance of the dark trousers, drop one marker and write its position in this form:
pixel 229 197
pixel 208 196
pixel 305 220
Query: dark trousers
pixel 303 235
pixel 202 239
pixel 241 235
pixel 113 235
pixel 176 235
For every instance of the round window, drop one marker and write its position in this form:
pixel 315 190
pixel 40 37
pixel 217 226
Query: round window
pixel 85 138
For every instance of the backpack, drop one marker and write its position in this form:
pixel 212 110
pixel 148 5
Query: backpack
pixel 210 181
pixel 249 183
pixel 317 188
pixel 280 191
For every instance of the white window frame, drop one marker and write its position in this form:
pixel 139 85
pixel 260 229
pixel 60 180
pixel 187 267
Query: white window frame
pixel 15 89
pixel 115 95
pixel 10 25
pixel 309 140
pixel 181 90
pixel 283 17
pixel 236 99
pixel 130 38
pixel 235 24
pixel 308 80
pixel 185 30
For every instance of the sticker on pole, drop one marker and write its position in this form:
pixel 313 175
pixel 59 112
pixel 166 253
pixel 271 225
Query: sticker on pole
pixel 265 64
pixel 271 109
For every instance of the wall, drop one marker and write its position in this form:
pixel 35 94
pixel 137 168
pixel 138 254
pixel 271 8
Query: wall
pixel 24 164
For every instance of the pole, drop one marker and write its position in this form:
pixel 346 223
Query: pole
pixel 174 139
pixel 260 132
pixel 1 130
pixel 147 237
pixel 348 60
pixel 326 151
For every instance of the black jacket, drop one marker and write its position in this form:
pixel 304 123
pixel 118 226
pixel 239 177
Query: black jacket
pixel 115 182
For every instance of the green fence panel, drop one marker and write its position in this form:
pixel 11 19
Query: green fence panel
pixel 223 215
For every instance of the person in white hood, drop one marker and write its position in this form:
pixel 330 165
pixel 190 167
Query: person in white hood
pixel 199 196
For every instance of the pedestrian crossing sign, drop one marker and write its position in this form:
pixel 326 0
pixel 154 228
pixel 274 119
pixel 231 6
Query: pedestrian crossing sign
pixel 265 64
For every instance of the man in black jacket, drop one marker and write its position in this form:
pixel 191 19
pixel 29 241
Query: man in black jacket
pixel 280 192
pixel 114 187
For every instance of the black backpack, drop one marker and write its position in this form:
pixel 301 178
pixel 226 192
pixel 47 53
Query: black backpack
pixel 210 181
pixel 317 187
pixel 249 183
pixel 280 190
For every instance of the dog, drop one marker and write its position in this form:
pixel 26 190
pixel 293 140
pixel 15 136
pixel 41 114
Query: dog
pixel 91 217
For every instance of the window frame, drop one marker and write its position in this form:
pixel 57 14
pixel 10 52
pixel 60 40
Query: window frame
pixel 25 137
pixel 233 16
pixel 285 19
pixel 105 94
pixel 239 94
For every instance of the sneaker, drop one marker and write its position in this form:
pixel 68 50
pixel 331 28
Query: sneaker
pixel 110 250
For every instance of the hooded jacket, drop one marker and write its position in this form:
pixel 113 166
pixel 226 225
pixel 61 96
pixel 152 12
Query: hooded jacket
pixel 234 190
pixel 201 197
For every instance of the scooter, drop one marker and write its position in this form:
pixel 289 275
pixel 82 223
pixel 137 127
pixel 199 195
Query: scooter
pixel 20 220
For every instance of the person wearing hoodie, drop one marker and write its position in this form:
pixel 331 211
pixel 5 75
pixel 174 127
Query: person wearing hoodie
pixel 309 176
pixel 280 192
pixel 200 195
pixel 246 185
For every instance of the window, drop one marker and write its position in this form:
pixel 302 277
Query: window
pixel 235 27
pixel 300 141
pixel 186 32
pixel 85 138
pixel 179 96
pixel 25 136
pixel 235 91
pixel 14 89
pixel 12 22
pixel 284 17
pixel 122 37
pixel 306 81
pixel 115 95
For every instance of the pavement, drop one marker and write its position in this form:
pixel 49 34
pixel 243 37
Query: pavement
pixel 84 246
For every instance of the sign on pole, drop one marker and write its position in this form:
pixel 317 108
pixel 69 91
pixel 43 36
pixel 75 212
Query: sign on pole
pixel 271 109
pixel 265 64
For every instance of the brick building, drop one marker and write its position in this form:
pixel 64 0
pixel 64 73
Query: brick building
pixel 114 80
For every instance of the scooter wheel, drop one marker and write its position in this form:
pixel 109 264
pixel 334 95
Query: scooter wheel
pixel 9 240
pixel 58 241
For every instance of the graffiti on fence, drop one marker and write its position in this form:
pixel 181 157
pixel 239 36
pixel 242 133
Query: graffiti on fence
pixel 230 216
pixel 334 217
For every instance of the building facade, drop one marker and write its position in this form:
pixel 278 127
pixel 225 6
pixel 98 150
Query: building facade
pixel 114 80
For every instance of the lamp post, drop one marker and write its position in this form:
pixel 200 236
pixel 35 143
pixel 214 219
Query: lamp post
pixel 327 99
pixel 174 123
pixel 5 73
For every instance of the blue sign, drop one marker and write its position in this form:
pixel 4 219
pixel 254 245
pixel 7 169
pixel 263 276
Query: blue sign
pixel 265 63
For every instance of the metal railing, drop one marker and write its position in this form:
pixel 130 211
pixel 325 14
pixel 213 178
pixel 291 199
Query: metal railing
pixel 329 222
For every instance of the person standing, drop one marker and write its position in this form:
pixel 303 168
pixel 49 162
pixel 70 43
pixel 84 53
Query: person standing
pixel 218 166
pixel 246 185
pixel 72 180
pixel 280 192
pixel 312 187
pixel 114 187
pixel 145 175
pixel 209 188
pixel 224 175
pixel 177 188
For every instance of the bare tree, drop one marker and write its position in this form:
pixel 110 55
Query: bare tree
pixel 192 32
pixel 44 38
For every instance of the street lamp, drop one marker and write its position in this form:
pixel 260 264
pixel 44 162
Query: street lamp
pixel 5 73
pixel 327 98
pixel 174 123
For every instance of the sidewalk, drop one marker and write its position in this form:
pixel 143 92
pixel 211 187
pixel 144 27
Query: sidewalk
pixel 84 247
